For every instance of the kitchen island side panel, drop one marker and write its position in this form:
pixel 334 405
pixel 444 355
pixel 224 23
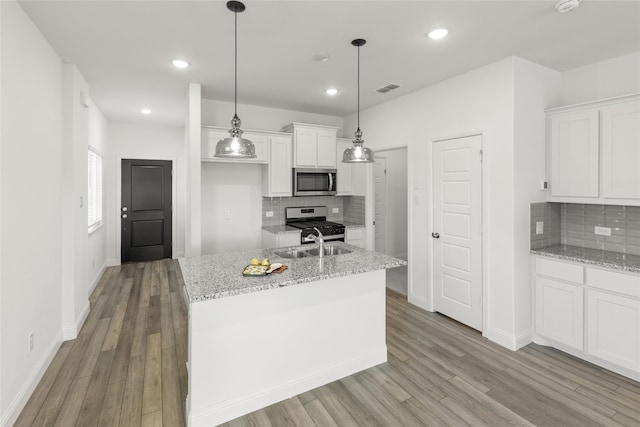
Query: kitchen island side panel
pixel 252 350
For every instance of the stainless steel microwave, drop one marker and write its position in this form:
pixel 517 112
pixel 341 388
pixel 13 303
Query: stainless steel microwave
pixel 314 182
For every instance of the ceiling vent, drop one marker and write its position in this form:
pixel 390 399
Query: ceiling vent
pixel 387 88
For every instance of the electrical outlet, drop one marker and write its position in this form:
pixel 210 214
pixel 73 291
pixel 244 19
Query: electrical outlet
pixel 539 227
pixel 336 210
pixel 30 342
pixel 542 185
pixel 602 231
pixel 268 214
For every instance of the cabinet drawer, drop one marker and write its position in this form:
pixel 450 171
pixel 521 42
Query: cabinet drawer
pixel 627 284
pixel 560 270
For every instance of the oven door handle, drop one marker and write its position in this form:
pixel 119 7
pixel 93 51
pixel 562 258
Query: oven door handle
pixel 330 181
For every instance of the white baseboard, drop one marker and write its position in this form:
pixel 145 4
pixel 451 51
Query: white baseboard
pixel 241 405
pixel 97 277
pixel 21 399
pixel 112 262
pixel 70 332
pixel 510 341
pixel 421 302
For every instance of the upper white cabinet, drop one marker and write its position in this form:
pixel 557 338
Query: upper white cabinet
pixel 314 146
pixel 345 174
pixel 276 175
pixel 574 154
pixel 211 135
pixel 620 133
pixel 594 152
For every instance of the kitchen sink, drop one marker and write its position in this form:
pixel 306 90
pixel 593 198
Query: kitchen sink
pixel 291 253
pixel 329 250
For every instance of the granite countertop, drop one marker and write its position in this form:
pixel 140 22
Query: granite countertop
pixel 278 229
pixel 220 275
pixel 600 258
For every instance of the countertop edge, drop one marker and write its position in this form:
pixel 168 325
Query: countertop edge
pixel 610 264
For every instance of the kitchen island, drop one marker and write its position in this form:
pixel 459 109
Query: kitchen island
pixel 254 341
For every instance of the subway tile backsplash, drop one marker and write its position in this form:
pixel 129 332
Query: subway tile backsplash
pixel 578 221
pixel 351 208
pixel 549 214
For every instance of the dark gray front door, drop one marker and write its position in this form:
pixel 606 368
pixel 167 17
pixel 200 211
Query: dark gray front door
pixel 145 212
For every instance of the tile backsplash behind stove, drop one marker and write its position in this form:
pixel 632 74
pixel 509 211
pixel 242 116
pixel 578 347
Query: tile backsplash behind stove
pixel 351 208
pixel 577 224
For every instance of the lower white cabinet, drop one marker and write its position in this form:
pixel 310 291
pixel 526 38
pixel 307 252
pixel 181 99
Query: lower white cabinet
pixel 355 236
pixel 590 312
pixel 279 240
pixel 613 327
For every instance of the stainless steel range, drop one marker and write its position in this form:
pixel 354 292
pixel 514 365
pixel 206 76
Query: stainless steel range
pixel 308 217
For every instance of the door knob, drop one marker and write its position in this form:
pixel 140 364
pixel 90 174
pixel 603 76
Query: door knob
pixel 124 215
pixel 435 235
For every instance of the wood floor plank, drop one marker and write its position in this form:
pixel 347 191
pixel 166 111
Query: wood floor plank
pixel 319 415
pixel 131 413
pixel 172 413
pixel 94 397
pixel 152 419
pixel 72 404
pixel 112 405
pixel 331 403
pixel 297 414
pixel 152 390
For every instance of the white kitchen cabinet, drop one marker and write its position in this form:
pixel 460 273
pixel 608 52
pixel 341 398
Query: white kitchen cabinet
pixel 355 236
pixel 574 153
pixel 276 175
pixel 280 240
pixel 590 312
pixel 345 170
pixel 614 328
pixel 620 146
pixel 211 136
pixel 560 311
pixel 314 146
pixel 594 152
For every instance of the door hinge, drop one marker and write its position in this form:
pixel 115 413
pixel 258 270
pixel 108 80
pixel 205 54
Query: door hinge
pixel 481 156
pixel 374 223
pixel 385 171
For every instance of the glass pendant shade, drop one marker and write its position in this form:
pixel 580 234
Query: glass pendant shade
pixel 235 146
pixel 358 153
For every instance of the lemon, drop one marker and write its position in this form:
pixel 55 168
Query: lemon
pixel 266 262
pixel 255 261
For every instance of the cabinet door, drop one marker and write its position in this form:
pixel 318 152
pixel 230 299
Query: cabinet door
pixel 326 149
pixel 574 154
pixel 305 150
pixel 210 138
pixel 620 142
pixel 261 143
pixel 279 176
pixel 613 331
pixel 560 312
pixel 344 170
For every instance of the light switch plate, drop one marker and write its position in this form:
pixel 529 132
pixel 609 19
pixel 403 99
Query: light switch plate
pixel 335 210
pixel 539 227
pixel 602 231
pixel 268 214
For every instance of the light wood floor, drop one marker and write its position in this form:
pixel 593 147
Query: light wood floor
pixel 127 369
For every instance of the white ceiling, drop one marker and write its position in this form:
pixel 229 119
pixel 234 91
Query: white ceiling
pixel 124 48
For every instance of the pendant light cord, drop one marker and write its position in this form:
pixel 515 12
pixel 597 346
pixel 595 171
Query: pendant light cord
pixel 358 87
pixel 235 103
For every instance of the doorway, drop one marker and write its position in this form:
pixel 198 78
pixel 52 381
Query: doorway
pixel 391 212
pixel 146 210
pixel 457 229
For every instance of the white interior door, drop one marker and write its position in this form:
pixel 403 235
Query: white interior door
pixel 380 184
pixel 457 229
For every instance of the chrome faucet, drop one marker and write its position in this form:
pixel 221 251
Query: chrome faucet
pixel 319 239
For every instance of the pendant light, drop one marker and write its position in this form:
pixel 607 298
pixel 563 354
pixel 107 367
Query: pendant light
pixel 358 153
pixel 235 146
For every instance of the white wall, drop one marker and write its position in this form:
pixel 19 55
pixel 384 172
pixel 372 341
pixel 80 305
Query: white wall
pixel 605 79
pixel 97 246
pixel 219 113
pixel 236 188
pixel 396 238
pixel 31 171
pixel 536 89
pixel 480 101
pixel 135 141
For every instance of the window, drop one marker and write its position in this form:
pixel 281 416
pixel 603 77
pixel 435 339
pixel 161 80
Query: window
pixel 95 190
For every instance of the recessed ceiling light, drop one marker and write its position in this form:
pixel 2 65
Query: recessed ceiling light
pixel 320 57
pixel 438 34
pixel 331 91
pixel 179 63
pixel 145 111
